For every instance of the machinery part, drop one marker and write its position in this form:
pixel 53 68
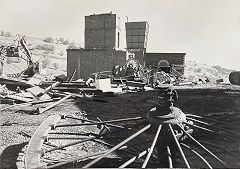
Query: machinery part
pixel 124 142
pixel 197 147
pixel 37 140
pixel 234 77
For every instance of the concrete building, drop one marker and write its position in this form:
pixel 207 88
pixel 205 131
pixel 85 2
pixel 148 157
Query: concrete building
pixel 88 61
pixel 136 38
pixel 102 31
pixel 136 35
pixel 102 40
pixel 176 60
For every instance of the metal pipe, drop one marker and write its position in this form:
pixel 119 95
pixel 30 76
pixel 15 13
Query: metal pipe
pixel 152 146
pixel 81 134
pixel 216 127
pixel 220 148
pixel 70 144
pixel 131 160
pixel 76 159
pixel 118 146
pixel 169 157
pixel 71 161
pixel 81 141
pixel 179 147
pixel 204 148
pixel 104 122
pixel 49 88
pixel 31 103
pixel 197 154
pixel 212 120
pixel 81 119
pixel 41 110
pixel 211 131
pixel 70 138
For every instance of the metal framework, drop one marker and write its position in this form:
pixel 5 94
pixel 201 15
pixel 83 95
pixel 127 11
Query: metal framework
pixel 43 142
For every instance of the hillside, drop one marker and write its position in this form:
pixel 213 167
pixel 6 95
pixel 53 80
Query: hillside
pixel 53 57
pixel 195 70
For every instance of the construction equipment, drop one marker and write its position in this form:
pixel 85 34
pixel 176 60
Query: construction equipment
pixel 18 50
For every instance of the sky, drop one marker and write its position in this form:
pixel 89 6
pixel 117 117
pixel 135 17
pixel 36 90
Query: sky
pixel 208 31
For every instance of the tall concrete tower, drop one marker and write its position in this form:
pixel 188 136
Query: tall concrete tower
pixel 102 31
pixel 137 35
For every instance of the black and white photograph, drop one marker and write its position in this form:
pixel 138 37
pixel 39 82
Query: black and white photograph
pixel 119 84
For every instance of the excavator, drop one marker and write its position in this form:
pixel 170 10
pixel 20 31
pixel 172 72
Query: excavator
pixel 18 50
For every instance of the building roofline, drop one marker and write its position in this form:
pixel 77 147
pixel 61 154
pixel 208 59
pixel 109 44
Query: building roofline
pixel 165 53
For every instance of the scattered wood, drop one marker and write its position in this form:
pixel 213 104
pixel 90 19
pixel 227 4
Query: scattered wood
pixel 48 89
pixel 41 110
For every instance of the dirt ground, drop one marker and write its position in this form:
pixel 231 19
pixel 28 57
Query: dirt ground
pixel 18 124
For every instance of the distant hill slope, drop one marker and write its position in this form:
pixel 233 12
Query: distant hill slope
pixel 195 70
pixel 51 55
pixel 54 59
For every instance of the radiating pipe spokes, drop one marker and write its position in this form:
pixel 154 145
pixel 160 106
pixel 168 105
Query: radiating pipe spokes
pixel 214 126
pixel 152 146
pixel 131 160
pixel 198 155
pixel 118 146
pixel 179 147
pixel 170 163
pixel 204 148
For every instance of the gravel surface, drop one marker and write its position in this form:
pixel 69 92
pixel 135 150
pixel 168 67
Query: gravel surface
pixel 17 124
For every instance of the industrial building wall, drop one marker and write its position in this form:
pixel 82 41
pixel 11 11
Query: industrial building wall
pixel 101 31
pixel 87 62
pixel 172 58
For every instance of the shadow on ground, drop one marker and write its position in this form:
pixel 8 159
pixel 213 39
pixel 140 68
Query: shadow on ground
pixel 8 158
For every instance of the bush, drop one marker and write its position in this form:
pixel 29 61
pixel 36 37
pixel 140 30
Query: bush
pixel 65 42
pixel 46 47
pixel 198 70
pixel 55 66
pixel 46 62
pixel 2 33
pixel 8 34
pixel 72 46
pixel 48 40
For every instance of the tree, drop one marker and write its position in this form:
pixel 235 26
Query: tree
pixel 48 40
